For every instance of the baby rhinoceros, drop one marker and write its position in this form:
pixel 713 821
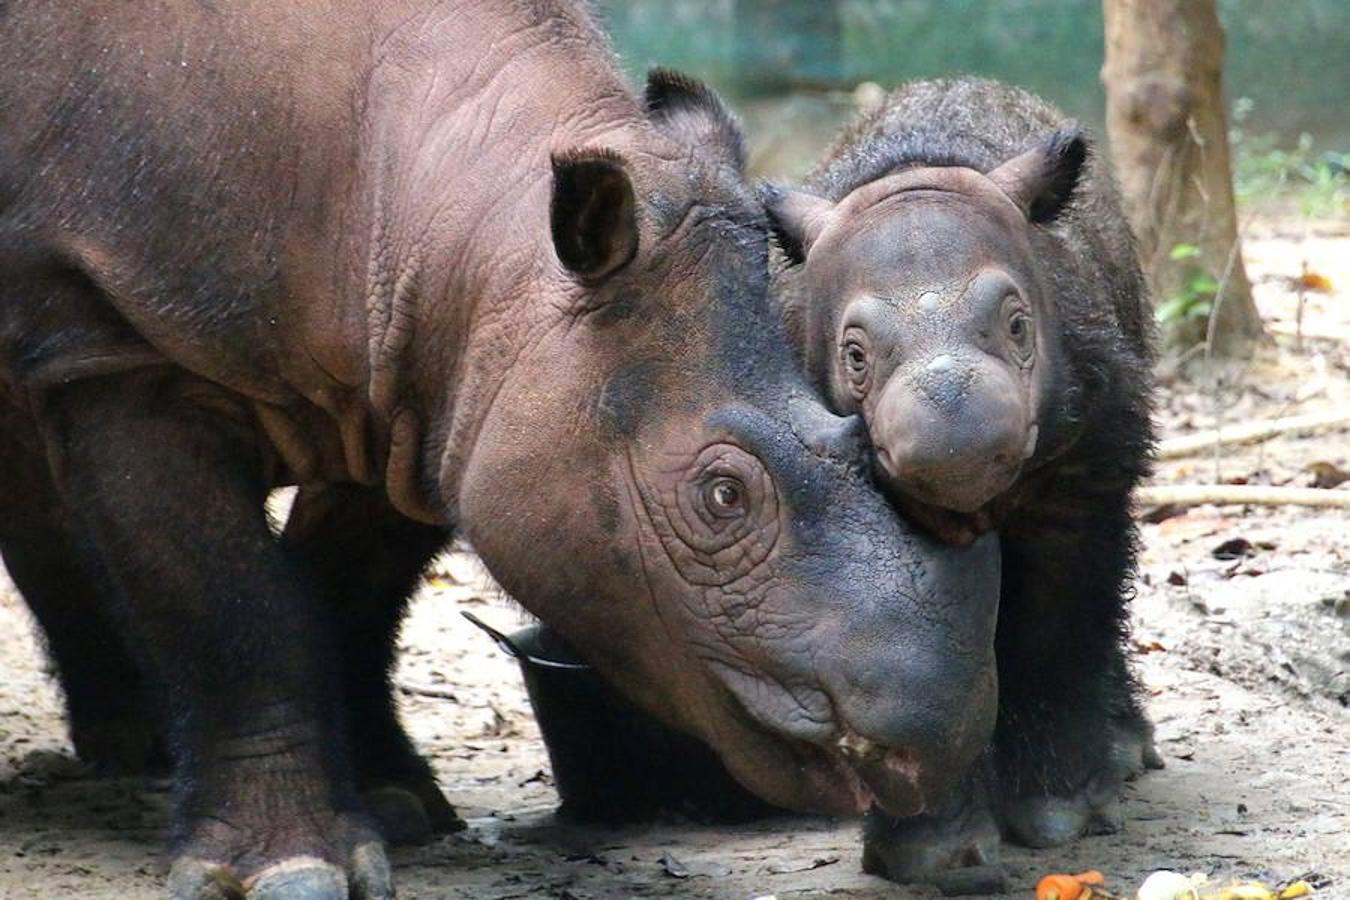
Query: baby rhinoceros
pixel 966 281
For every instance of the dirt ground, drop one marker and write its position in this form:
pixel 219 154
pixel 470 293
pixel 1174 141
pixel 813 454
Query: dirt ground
pixel 1246 662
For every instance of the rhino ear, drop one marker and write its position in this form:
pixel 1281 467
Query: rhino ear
pixel 797 218
pixel 1041 181
pixel 593 214
pixel 688 111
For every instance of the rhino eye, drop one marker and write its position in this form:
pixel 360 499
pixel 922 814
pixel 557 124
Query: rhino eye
pixel 853 355
pixel 717 515
pixel 725 497
pixel 1021 336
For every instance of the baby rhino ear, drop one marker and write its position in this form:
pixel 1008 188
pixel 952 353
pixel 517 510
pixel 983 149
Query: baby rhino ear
pixel 797 218
pixel 1041 181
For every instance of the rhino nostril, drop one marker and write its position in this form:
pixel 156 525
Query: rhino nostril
pixel 1029 449
pixel 886 461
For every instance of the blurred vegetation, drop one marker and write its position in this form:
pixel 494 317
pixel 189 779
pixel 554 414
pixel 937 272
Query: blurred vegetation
pixel 1268 169
pixel 1195 298
pixel 793 64
pixel 1269 173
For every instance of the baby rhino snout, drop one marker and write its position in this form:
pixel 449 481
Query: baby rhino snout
pixel 952 433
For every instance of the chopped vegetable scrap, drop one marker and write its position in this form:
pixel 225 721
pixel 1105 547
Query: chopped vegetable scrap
pixel 1083 886
pixel 1167 885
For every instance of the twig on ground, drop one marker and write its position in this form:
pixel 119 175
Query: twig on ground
pixel 1302 301
pixel 1192 444
pixel 1315 331
pixel 425 690
pixel 1240 495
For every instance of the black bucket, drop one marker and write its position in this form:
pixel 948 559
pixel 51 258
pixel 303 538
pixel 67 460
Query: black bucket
pixel 611 762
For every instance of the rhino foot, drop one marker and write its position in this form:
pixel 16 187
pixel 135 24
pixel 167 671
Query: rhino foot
pixel 363 872
pixel 300 878
pixel 1050 819
pixel 400 792
pixel 1133 748
pixel 411 812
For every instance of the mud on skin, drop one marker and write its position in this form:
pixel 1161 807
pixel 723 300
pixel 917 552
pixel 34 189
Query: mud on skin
pixel 397 254
pixel 964 279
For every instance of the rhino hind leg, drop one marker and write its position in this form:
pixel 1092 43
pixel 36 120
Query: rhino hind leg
pixel 115 715
pixel 162 474
pixel 367 559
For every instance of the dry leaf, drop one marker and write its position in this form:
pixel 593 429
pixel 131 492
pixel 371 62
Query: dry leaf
pixel 1327 475
pixel 1314 281
pixel 1233 548
pixel 677 869
pixel 783 868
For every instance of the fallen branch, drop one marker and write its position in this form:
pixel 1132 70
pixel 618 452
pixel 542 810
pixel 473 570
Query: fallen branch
pixel 1240 495
pixel 1191 444
pixel 1312 332
pixel 425 690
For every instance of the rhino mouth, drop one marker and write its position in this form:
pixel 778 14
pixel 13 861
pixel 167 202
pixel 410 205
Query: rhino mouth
pixel 845 778
pixel 830 768
pixel 887 777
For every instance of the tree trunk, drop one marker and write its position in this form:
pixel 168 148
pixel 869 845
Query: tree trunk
pixel 1168 131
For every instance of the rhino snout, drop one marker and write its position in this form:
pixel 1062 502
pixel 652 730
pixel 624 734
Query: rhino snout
pixel 927 745
pixel 953 434
pixel 915 684
pixel 909 744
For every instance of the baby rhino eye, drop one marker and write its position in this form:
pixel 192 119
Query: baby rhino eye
pixel 853 355
pixel 1021 334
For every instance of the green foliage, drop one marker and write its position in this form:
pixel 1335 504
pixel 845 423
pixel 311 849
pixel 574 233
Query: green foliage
pixel 1325 194
pixel 1195 298
pixel 1264 170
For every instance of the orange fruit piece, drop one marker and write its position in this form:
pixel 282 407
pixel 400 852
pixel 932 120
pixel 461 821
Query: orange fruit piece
pixel 1067 887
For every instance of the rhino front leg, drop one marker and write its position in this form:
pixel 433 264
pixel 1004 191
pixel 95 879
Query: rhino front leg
pixel 955 845
pixel 162 475
pixel 367 559
pixel 1071 729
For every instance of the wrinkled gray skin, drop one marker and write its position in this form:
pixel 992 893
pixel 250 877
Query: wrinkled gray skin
pixel 965 280
pixel 436 264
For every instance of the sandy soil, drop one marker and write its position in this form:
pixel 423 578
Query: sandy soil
pixel 1246 661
